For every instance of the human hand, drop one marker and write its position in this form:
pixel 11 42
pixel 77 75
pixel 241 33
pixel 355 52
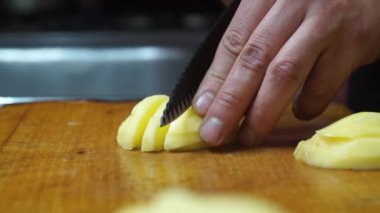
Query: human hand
pixel 276 52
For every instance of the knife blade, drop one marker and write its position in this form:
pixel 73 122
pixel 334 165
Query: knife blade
pixel 189 81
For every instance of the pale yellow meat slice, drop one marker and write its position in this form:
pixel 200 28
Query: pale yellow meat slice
pixel 131 131
pixel 154 135
pixel 183 133
pixel 185 201
pixel 350 143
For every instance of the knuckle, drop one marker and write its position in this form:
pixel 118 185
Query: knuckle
pixel 255 56
pixel 228 101
pixel 217 77
pixel 233 42
pixel 287 71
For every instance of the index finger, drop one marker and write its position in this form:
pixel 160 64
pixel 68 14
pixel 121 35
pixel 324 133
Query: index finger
pixel 245 20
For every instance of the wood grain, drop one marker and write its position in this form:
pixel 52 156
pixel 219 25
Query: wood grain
pixel 63 157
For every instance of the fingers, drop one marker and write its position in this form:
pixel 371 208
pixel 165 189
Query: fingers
pixel 284 77
pixel 245 20
pixel 244 79
pixel 323 83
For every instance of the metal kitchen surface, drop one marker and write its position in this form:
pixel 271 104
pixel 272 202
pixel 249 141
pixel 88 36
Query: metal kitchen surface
pixel 93 65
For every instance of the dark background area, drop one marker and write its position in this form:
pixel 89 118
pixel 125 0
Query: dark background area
pixel 364 90
pixel 91 15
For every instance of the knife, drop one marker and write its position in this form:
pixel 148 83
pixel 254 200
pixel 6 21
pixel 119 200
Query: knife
pixel 188 83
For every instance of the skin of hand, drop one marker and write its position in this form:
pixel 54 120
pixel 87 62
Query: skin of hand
pixel 275 52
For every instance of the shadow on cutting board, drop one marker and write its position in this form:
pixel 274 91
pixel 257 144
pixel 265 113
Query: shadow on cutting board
pixel 289 130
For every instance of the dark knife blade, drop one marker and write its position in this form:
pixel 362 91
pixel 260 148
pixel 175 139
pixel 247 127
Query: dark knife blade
pixel 188 83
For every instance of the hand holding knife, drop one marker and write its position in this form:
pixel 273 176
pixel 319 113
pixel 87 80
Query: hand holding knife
pixel 183 93
pixel 282 53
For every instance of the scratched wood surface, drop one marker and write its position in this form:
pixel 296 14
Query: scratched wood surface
pixel 62 157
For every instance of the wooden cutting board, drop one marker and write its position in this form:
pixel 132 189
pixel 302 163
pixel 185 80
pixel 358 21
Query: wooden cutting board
pixel 63 157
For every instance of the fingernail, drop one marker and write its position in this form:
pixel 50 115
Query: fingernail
pixel 247 137
pixel 211 131
pixel 203 102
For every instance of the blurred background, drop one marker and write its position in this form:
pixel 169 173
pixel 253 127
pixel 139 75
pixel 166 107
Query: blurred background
pixel 106 15
pixel 118 49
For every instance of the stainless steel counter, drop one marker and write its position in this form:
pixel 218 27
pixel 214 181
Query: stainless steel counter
pixel 93 65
